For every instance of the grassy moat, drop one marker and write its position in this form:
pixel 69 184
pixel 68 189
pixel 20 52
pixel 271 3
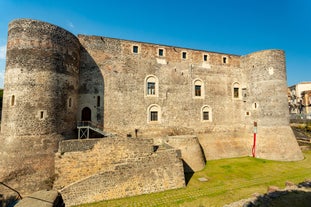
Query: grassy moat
pixel 228 180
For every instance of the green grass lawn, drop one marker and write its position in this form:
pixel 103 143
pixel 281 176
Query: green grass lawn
pixel 229 180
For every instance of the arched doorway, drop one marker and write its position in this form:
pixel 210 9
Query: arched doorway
pixel 86 114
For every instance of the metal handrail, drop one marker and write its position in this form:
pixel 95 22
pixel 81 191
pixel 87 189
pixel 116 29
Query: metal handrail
pixel 89 124
pixel 19 195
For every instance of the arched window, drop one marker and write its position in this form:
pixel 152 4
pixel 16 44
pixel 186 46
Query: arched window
pixel 153 114
pixel 198 88
pixel 206 113
pixel 236 90
pixel 151 86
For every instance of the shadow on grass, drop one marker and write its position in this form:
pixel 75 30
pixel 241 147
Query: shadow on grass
pixel 293 198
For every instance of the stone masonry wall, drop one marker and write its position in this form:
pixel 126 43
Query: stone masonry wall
pixel 117 168
pixel 71 167
pixel 180 112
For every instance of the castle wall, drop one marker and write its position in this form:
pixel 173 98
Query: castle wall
pixel 40 100
pixel 268 105
pixel 126 101
pixel 115 168
pixel 41 78
pixel 54 79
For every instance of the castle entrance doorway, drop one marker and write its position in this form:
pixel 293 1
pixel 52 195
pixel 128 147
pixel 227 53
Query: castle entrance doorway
pixel 86 114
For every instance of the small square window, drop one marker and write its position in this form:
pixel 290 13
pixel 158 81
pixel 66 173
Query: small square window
pixel 135 49
pixel 153 116
pixel 184 55
pixel 205 115
pixel 161 52
pixel 224 60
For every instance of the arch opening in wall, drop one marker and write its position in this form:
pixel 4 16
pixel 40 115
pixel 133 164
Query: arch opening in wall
pixel 154 114
pixel 206 114
pixel 151 86
pixel 86 114
pixel 198 89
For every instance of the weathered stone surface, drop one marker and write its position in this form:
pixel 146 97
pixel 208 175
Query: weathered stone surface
pixel 191 151
pixel 117 167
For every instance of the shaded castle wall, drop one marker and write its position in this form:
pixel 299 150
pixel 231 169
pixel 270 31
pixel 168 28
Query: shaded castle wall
pixel 39 103
pixel 115 168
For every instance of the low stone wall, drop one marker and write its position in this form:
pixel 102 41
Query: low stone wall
pixel 157 172
pixel 104 156
pixel 76 145
pixel 191 151
pixel 117 167
pixel 272 143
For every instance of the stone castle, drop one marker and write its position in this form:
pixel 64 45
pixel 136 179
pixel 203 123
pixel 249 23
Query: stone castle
pixel 171 109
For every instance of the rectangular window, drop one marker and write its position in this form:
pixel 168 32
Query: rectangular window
pixel 150 88
pixel 236 92
pixel 205 57
pixel 184 55
pixel 135 49
pixel 161 52
pixel 205 115
pixel 197 90
pixel 153 116
pixel 224 60
pixel 98 101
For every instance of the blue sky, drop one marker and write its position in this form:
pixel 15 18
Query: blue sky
pixel 229 26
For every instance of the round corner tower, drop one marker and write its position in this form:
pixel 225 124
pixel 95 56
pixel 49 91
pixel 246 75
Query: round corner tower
pixel 40 97
pixel 269 107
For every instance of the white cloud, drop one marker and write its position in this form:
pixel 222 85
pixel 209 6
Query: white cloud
pixel 2 52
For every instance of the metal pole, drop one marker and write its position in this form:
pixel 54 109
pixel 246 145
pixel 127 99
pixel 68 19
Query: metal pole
pixel 254 141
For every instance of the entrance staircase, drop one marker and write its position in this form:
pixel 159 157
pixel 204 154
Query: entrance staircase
pixel 84 128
